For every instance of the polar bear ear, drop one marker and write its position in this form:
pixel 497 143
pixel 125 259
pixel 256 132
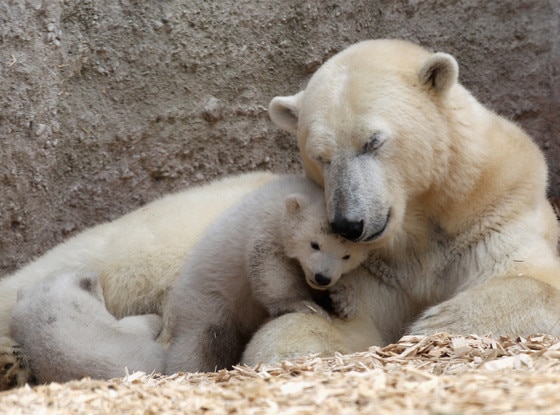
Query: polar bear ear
pixel 284 111
pixel 440 72
pixel 295 203
pixel 90 283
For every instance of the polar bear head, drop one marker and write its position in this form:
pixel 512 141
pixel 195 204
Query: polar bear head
pixel 323 256
pixel 374 129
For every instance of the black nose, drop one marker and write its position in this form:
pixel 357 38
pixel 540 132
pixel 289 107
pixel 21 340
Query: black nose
pixel 322 280
pixel 347 229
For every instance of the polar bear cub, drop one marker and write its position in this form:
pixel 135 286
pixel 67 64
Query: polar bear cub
pixel 263 258
pixel 67 332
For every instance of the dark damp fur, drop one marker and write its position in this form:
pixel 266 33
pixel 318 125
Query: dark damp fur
pixel 223 346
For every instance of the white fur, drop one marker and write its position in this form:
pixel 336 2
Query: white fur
pixel 64 327
pixel 137 256
pixel 452 200
pixel 253 264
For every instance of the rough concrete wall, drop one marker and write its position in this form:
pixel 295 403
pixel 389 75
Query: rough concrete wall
pixel 105 105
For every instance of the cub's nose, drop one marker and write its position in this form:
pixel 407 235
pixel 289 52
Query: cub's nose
pixel 347 229
pixel 322 280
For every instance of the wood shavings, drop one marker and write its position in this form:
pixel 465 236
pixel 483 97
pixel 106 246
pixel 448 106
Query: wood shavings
pixel 419 375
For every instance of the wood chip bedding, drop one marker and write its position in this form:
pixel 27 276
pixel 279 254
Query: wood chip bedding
pixel 439 374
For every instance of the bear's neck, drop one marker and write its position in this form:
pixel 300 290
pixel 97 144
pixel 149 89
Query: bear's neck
pixel 495 171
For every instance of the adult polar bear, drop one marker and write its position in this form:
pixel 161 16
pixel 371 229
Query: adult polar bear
pixel 450 196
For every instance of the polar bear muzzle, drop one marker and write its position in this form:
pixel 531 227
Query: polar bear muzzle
pixel 348 229
pixel 354 231
pixel 358 203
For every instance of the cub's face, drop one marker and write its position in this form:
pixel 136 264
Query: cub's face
pixel 323 256
pixel 372 131
pixel 54 301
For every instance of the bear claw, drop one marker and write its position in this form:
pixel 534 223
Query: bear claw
pixel 14 365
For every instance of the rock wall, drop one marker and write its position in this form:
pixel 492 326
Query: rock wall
pixel 105 105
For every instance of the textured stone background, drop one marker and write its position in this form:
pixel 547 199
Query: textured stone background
pixel 105 105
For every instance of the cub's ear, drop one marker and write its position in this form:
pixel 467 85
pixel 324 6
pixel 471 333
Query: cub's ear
pixel 439 72
pixel 295 203
pixel 90 283
pixel 284 111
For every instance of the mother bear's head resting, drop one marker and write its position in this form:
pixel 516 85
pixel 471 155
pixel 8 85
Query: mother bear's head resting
pixel 381 126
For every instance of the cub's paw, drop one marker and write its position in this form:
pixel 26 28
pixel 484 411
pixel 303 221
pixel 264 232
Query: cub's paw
pixel 344 300
pixel 148 325
pixel 154 323
pixel 14 365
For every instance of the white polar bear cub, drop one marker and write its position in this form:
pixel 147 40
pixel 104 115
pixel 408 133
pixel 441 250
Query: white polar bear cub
pixel 253 264
pixel 67 332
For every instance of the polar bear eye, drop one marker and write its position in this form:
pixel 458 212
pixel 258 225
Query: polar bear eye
pixel 315 246
pixel 346 257
pixel 375 141
pixel 321 160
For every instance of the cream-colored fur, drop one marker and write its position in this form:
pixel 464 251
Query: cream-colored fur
pixel 264 257
pixel 450 196
pixel 67 333
pixel 137 256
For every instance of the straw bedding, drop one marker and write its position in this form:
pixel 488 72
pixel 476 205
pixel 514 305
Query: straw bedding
pixel 440 374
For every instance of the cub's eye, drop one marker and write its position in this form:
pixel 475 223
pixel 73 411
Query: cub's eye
pixel 315 246
pixel 346 257
pixel 375 141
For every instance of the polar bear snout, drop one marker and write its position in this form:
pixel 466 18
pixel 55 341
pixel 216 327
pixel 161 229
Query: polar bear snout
pixel 348 229
pixel 354 230
pixel 358 203
pixel 322 280
pixel 379 229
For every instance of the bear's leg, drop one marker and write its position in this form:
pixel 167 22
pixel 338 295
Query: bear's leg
pixel 299 334
pixel 14 366
pixel 514 306
pixel 213 346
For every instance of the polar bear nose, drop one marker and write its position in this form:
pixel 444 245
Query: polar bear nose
pixel 322 280
pixel 351 230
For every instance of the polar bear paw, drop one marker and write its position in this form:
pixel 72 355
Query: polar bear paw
pixel 344 300
pixel 14 365
pixel 148 325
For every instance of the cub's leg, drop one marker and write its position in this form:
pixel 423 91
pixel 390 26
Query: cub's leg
pixel 14 366
pixel 493 308
pixel 207 346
